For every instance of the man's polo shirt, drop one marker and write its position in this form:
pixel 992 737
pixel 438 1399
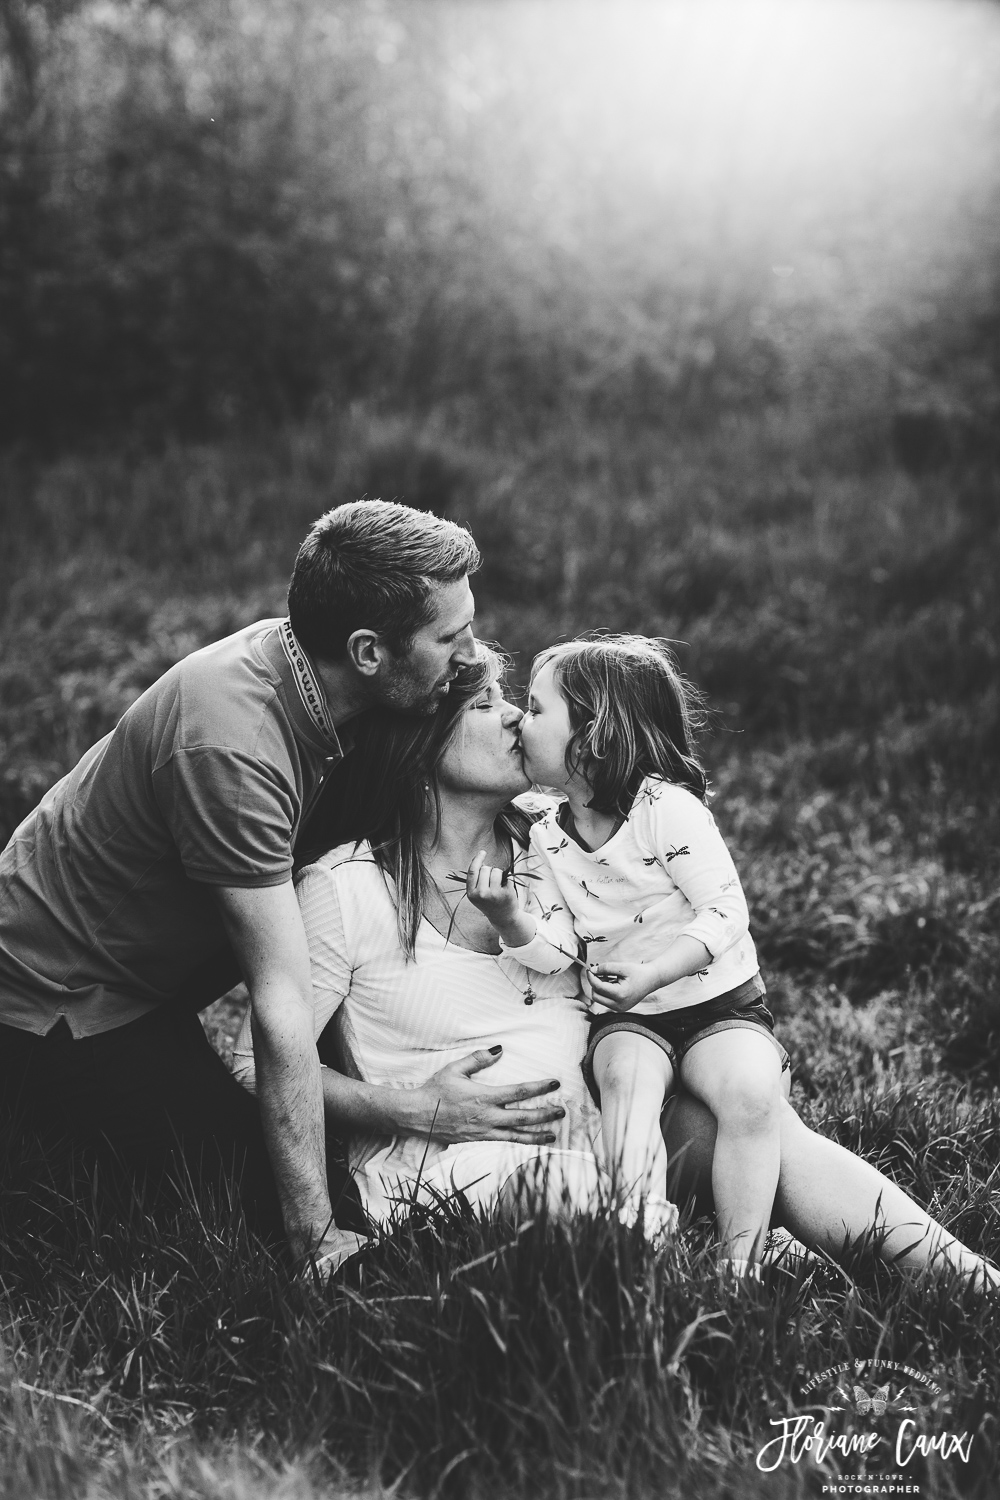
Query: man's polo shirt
pixel 206 781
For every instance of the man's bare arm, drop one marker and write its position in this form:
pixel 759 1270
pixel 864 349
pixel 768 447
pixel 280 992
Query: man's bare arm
pixel 265 928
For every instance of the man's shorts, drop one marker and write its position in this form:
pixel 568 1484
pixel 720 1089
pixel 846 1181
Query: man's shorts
pixel 676 1031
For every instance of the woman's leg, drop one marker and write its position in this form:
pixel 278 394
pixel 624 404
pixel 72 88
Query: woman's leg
pixel 825 1193
pixel 568 1182
pixel 737 1073
pixel 633 1076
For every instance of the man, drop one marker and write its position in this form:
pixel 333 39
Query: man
pixel 169 849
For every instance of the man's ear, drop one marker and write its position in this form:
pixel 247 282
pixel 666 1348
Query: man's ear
pixel 366 651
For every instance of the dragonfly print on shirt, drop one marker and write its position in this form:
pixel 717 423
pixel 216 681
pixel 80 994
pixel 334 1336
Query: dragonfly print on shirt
pixel 545 914
pixel 648 794
pixel 663 874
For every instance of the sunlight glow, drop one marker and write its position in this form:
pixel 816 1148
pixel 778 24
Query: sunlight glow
pixel 822 138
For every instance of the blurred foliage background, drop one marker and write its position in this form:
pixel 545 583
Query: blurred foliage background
pixel 690 311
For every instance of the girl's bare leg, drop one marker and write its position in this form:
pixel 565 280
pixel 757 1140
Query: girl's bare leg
pixel 634 1077
pixel 737 1073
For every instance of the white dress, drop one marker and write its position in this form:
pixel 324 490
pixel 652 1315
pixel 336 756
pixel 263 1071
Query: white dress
pixel 399 1022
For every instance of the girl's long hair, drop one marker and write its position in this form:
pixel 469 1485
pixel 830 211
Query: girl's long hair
pixel 386 788
pixel 632 714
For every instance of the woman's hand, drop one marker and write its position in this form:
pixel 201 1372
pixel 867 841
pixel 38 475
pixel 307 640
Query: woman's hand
pixel 492 890
pixel 456 1107
pixel 621 985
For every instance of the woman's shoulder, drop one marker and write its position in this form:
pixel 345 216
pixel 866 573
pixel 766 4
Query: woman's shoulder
pixel 347 867
pixel 343 898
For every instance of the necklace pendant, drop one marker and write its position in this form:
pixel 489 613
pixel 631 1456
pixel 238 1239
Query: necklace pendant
pixel 529 997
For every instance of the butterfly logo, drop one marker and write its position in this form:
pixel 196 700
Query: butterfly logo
pixel 875 1403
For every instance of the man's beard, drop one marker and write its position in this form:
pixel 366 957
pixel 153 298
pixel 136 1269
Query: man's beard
pixel 401 693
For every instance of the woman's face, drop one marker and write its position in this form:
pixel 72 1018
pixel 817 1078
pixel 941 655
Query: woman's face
pixel 485 754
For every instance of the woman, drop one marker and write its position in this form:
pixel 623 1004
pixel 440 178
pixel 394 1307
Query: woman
pixel 412 975
pixel 412 978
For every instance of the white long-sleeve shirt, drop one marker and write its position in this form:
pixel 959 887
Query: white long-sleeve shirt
pixel 665 874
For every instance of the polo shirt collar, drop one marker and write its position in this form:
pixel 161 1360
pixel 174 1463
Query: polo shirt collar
pixel 304 695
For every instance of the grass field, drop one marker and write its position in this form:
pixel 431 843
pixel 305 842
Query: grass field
pixel 691 356
pixel 177 1358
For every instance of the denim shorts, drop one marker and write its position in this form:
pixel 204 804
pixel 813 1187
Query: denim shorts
pixel 676 1031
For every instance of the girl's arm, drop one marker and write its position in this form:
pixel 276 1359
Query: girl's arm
pixel 684 838
pixel 624 985
pixel 538 932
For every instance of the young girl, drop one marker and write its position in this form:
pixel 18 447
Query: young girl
pixel 635 882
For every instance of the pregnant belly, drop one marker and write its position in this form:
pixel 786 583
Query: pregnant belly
pixel 547 1048
pixel 546 1040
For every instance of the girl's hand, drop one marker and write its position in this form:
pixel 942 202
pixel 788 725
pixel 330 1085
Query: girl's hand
pixel 492 890
pixel 621 985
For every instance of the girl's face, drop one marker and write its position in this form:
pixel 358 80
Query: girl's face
pixel 485 754
pixel 546 731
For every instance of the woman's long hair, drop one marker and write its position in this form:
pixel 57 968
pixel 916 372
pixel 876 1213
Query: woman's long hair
pixel 384 790
pixel 632 714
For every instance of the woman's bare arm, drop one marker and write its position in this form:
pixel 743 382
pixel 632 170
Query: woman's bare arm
pixel 451 1106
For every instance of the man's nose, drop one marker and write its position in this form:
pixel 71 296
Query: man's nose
pixel 464 654
pixel 512 716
